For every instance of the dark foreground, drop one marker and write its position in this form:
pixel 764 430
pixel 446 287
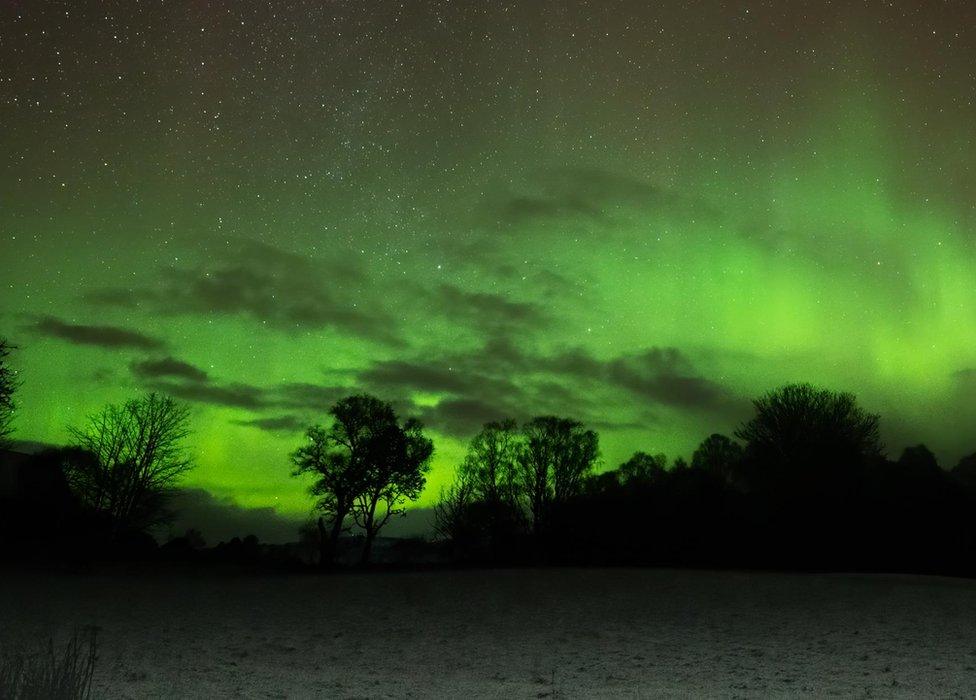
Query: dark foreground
pixel 509 633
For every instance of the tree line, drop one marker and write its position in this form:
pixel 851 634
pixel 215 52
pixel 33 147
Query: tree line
pixel 803 483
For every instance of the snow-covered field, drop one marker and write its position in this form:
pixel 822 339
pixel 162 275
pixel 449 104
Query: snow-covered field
pixel 510 633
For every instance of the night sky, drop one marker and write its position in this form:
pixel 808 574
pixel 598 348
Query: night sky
pixel 637 214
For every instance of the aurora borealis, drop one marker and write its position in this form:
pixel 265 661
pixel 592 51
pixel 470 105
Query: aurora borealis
pixel 640 215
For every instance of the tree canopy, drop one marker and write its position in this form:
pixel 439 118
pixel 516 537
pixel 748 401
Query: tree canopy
pixel 642 467
pixel 554 460
pixel 719 456
pixel 338 473
pixel 366 466
pixel 801 432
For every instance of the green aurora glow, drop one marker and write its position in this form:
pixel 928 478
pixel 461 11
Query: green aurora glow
pixel 483 212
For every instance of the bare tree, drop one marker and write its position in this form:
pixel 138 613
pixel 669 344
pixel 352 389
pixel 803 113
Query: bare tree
pixel 8 385
pixel 490 472
pixel 135 457
pixel 452 511
pixel 335 458
pixel 490 462
pixel 556 457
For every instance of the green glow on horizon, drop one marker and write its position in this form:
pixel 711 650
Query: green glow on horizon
pixel 804 240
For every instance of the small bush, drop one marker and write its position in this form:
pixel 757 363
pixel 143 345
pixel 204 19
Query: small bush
pixel 50 675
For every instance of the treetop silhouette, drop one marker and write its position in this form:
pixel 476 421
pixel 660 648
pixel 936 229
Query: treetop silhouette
pixel 127 459
pixel 366 465
pixel 8 386
pixel 799 433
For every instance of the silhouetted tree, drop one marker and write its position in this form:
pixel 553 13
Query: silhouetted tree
pixel 918 462
pixel 801 432
pixel 185 546
pixel 238 551
pixel 489 469
pixel 8 385
pixel 194 539
pixel 642 468
pixel 965 472
pixel 393 460
pixel 720 456
pixel 556 457
pixel 452 513
pixel 809 456
pixel 489 465
pixel 923 513
pixel 337 458
pixel 602 483
pixel 131 456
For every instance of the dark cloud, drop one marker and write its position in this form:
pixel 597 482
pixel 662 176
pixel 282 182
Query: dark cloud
pixel 502 379
pixel 433 376
pixel 478 392
pixel 477 384
pixel 185 381
pixel 966 375
pixel 276 424
pixel 598 196
pixel 497 380
pixel 277 288
pixel 300 395
pixel 221 519
pixel 665 375
pixel 520 210
pixel 234 395
pixel 560 206
pixel 487 310
pixel 109 337
pixel 182 380
pixel 463 417
pixel 122 297
pixel 252 397
pixel 168 367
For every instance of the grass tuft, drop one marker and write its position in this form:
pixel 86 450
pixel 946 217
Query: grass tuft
pixel 48 674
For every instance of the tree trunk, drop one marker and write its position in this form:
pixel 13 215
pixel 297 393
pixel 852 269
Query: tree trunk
pixel 368 543
pixel 326 546
pixel 367 548
pixel 495 530
pixel 334 535
pixel 329 541
pixel 537 518
pixel 539 531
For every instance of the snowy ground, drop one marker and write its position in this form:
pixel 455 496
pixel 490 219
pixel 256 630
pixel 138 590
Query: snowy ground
pixel 513 633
